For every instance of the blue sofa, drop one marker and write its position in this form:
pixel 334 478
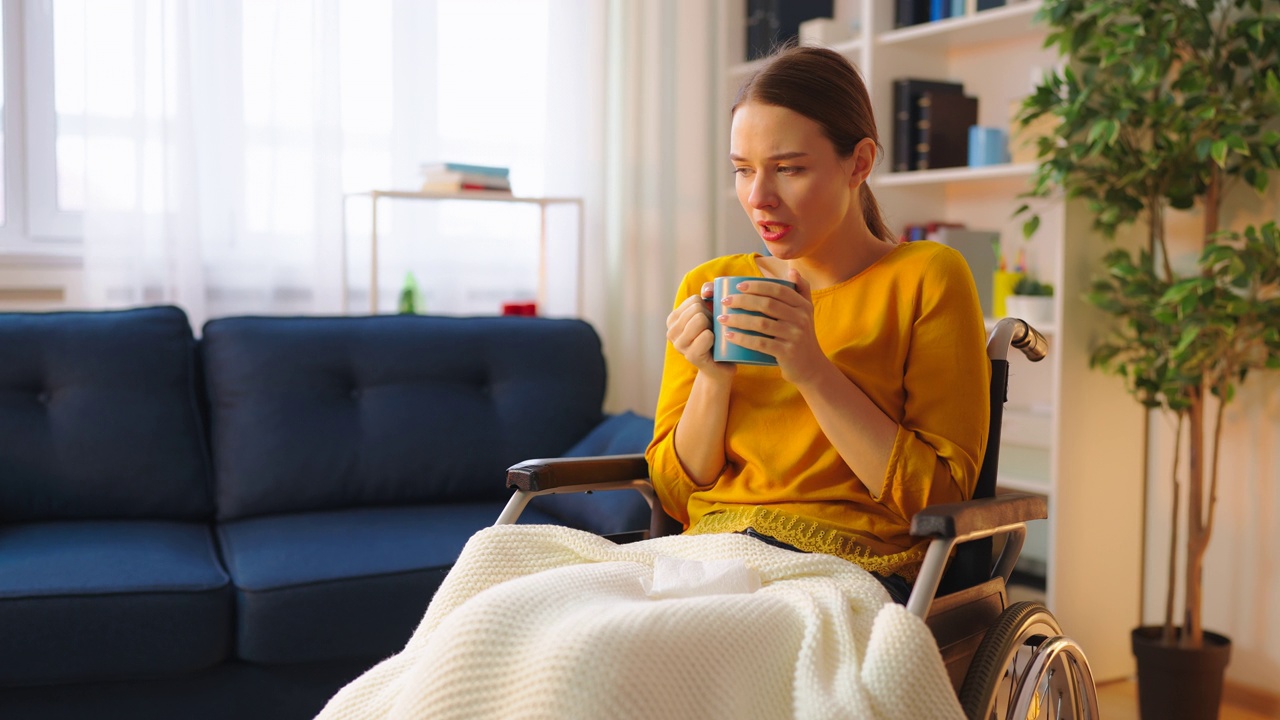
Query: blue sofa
pixel 236 526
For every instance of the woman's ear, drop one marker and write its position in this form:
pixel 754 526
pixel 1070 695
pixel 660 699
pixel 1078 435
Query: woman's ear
pixel 862 160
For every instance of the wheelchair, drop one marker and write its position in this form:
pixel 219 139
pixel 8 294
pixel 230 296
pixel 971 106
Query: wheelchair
pixel 1004 660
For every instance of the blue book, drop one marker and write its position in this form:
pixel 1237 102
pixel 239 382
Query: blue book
pixel 957 8
pixel 939 10
pixel 430 168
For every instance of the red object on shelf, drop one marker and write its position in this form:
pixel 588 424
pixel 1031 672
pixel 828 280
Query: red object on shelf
pixel 523 309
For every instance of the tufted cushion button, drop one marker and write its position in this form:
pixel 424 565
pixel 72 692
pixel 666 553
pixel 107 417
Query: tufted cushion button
pixel 43 397
pixel 355 393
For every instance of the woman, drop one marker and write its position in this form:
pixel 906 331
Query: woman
pixel 878 404
pixel 877 408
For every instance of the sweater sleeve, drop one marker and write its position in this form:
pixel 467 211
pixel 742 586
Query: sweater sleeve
pixel 937 452
pixel 671 482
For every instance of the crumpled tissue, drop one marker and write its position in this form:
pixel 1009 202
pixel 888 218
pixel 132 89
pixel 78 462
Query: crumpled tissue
pixel 679 578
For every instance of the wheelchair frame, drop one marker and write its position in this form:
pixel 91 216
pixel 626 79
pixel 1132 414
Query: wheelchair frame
pixel 1005 661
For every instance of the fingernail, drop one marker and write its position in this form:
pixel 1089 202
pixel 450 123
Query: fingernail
pixel 727 301
pixel 742 286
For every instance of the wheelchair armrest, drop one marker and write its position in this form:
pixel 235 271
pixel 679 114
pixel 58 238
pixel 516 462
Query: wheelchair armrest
pixel 953 523
pixel 958 520
pixel 550 473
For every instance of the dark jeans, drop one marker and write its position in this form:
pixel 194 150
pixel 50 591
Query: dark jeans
pixel 899 589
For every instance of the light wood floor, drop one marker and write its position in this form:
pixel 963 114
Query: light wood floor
pixel 1119 701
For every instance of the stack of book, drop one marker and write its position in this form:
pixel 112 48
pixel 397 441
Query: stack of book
pixel 931 120
pixel 458 177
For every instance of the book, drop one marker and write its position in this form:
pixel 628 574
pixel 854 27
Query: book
pixel 442 181
pixel 906 94
pixel 988 4
pixel 773 22
pixel 979 248
pixel 958 7
pixel 910 12
pixel 939 10
pixel 943 137
pixel 451 167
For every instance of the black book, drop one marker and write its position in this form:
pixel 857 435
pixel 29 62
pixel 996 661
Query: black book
pixel 988 4
pixel 945 118
pixel 910 12
pixel 906 116
pixel 773 22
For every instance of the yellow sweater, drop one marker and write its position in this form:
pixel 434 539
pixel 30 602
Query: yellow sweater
pixel 909 332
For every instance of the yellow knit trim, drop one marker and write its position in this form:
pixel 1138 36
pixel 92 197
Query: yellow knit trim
pixel 812 536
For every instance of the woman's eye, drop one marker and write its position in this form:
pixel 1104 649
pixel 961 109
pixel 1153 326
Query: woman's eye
pixel 741 171
pixel 788 170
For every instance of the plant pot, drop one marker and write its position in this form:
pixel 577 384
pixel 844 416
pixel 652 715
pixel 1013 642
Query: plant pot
pixel 1176 682
pixel 1035 309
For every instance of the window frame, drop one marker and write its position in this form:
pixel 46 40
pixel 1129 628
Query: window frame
pixel 47 224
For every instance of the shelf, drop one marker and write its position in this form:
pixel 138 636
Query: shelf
pixel 1007 482
pixel 492 196
pixel 1002 23
pixel 1027 428
pixel 916 178
pixel 473 195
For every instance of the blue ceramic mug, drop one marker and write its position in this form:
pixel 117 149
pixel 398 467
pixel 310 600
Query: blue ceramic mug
pixel 723 350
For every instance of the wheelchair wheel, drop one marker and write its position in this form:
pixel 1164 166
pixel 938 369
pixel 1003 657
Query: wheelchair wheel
pixel 1024 668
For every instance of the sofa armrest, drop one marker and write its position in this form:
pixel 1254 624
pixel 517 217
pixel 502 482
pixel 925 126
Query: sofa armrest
pixel 550 473
pixel 956 520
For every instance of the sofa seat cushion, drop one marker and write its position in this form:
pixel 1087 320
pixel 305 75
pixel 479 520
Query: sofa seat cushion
pixel 343 583
pixel 110 599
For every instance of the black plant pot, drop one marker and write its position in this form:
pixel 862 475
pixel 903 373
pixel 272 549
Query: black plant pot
pixel 1177 683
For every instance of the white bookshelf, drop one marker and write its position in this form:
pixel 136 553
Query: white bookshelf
pixel 1070 433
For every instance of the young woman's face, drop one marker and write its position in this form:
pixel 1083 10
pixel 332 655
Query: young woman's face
pixel 798 193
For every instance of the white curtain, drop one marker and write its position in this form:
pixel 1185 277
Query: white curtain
pixel 212 153
pixel 661 114
pixel 217 139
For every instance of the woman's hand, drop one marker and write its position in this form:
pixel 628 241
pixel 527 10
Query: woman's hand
pixel 689 331
pixel 789 323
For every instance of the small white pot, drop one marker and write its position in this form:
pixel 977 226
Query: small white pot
pixel 1035 309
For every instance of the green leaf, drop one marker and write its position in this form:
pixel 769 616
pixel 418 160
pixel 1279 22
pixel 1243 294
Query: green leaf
pixel 1202 149
pixel 1029 227
pixel 1219 152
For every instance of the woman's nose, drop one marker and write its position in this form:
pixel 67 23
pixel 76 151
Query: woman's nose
pixel 763 193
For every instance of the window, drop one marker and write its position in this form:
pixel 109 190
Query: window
pixel 111 83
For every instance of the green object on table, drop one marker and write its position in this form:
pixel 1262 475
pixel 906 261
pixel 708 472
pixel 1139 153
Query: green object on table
pixel 410 297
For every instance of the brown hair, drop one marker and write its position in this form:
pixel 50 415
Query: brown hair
pixel 825 87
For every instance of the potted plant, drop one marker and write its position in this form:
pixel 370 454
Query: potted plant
pixel 1172 105
pixel 1031 300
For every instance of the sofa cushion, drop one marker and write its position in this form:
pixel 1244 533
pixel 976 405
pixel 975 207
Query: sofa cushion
pixel 98 417
pixel 110 599
pixel 327 413
pixel 346 583
pixel 604 513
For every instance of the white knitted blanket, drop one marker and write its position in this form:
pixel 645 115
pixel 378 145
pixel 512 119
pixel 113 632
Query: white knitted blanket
pixel 547 622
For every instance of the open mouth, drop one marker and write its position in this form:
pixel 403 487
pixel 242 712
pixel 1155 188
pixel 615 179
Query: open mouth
pixel 773 230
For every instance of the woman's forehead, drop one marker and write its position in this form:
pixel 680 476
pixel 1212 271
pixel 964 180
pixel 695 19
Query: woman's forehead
pixel 765 131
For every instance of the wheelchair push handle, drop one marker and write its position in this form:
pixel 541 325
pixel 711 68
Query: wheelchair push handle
pixel 1019 334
